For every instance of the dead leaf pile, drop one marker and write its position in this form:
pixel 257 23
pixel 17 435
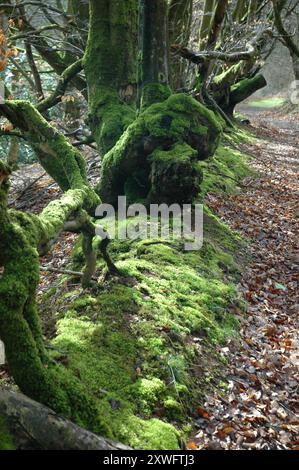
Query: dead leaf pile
pixel 260 408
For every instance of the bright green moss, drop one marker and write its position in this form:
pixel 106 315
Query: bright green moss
pixel 154 93
pixel 130 341
pixel 179 130
pixel 224 171
pixel 6 440
pixel 148 393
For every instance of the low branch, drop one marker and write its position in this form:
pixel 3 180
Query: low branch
pixel 65 78
pixel 199 57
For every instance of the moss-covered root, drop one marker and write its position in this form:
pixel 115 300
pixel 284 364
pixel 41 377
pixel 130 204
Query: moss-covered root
pixel 167 138
pixel 110 69
pixel 20 235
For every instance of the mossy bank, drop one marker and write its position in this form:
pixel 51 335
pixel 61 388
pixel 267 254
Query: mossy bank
pixel 138 343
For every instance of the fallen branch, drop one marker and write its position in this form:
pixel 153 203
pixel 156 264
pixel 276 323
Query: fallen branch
pixel 64 271
pixel 36 427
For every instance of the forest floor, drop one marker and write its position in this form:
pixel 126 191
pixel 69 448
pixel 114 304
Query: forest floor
pixel 259 410
pixel 256 410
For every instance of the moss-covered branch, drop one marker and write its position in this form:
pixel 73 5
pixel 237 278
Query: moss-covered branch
pixel 20 237
pixel 65 78
pixel 58 157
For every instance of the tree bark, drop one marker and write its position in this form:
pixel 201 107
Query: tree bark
pixel 111 69
pixel 154 48
pixel 180 20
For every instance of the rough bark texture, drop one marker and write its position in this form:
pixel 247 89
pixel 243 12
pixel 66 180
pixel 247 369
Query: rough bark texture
pixel 34 426
pixel 180 20
pixel 153 38
pixel 111 69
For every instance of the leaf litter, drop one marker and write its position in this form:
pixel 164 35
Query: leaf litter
pixel 259 410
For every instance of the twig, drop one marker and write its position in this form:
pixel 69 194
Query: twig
pixel 64 271
pixel 32 183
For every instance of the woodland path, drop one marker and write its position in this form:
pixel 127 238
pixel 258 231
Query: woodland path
pixel 259 410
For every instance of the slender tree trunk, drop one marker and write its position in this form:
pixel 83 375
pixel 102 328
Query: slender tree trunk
pixel 206 23
pixel 154 48
pixel 111 69
pixel 180 20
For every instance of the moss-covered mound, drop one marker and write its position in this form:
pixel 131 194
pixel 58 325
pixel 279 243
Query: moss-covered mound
pixel 137 345
pixel 135 342
pixel 158 154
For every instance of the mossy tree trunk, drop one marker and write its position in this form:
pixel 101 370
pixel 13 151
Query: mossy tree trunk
pixel 21 237
pixel 156 159
pixel 153 80
pixel 111 68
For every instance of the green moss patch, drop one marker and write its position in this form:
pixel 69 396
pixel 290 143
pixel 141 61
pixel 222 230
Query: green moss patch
pixel 133 341
pixel 6 440
pixel 267 103
pixel 224 171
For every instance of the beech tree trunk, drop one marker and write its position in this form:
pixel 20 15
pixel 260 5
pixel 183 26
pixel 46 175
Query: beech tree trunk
pixel 180 21
pixel 154 47
pixel 110 64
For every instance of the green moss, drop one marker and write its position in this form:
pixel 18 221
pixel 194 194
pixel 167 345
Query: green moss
pixel 148 393
pixel 224 171
pixel 175 174
pixel 267 103
pixel 179 130
pixel 130 342
pixel 6 440
pixel 154 93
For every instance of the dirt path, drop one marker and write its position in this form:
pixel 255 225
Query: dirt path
pixel 259 409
